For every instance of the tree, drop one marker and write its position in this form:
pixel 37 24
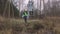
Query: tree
pixel 12 8
pixel 6 3
pixel 7 9
pixel 54 10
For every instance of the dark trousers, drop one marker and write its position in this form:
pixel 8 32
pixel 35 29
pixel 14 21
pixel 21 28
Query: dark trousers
pixel 25 19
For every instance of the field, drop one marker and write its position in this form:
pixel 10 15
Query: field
pixel 48 25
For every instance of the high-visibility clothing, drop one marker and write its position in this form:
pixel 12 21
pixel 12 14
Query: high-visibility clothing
pixel 25 14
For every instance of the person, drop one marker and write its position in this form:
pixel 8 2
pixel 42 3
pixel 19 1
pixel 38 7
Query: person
pixel 25 15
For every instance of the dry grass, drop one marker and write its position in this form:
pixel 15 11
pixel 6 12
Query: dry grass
pixel 17 26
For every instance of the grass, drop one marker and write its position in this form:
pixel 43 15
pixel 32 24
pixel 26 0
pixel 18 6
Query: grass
pixel 17 26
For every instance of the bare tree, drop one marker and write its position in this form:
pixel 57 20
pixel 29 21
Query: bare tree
pixel 44 12
pixel 12 8
pixel 40 6
pixel 5 8
pixel 9 9
pixel 19 7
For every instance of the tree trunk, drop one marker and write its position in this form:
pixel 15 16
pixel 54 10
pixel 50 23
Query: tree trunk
pixel 44 7
pixel 9 11
pixel 40 7
pixel 5 8
pixel 12 9
pixel 19 8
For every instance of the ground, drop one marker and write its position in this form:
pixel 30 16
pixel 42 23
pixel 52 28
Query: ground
pixel 34 26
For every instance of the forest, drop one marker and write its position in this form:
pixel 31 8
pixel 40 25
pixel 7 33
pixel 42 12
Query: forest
pixel 47 23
